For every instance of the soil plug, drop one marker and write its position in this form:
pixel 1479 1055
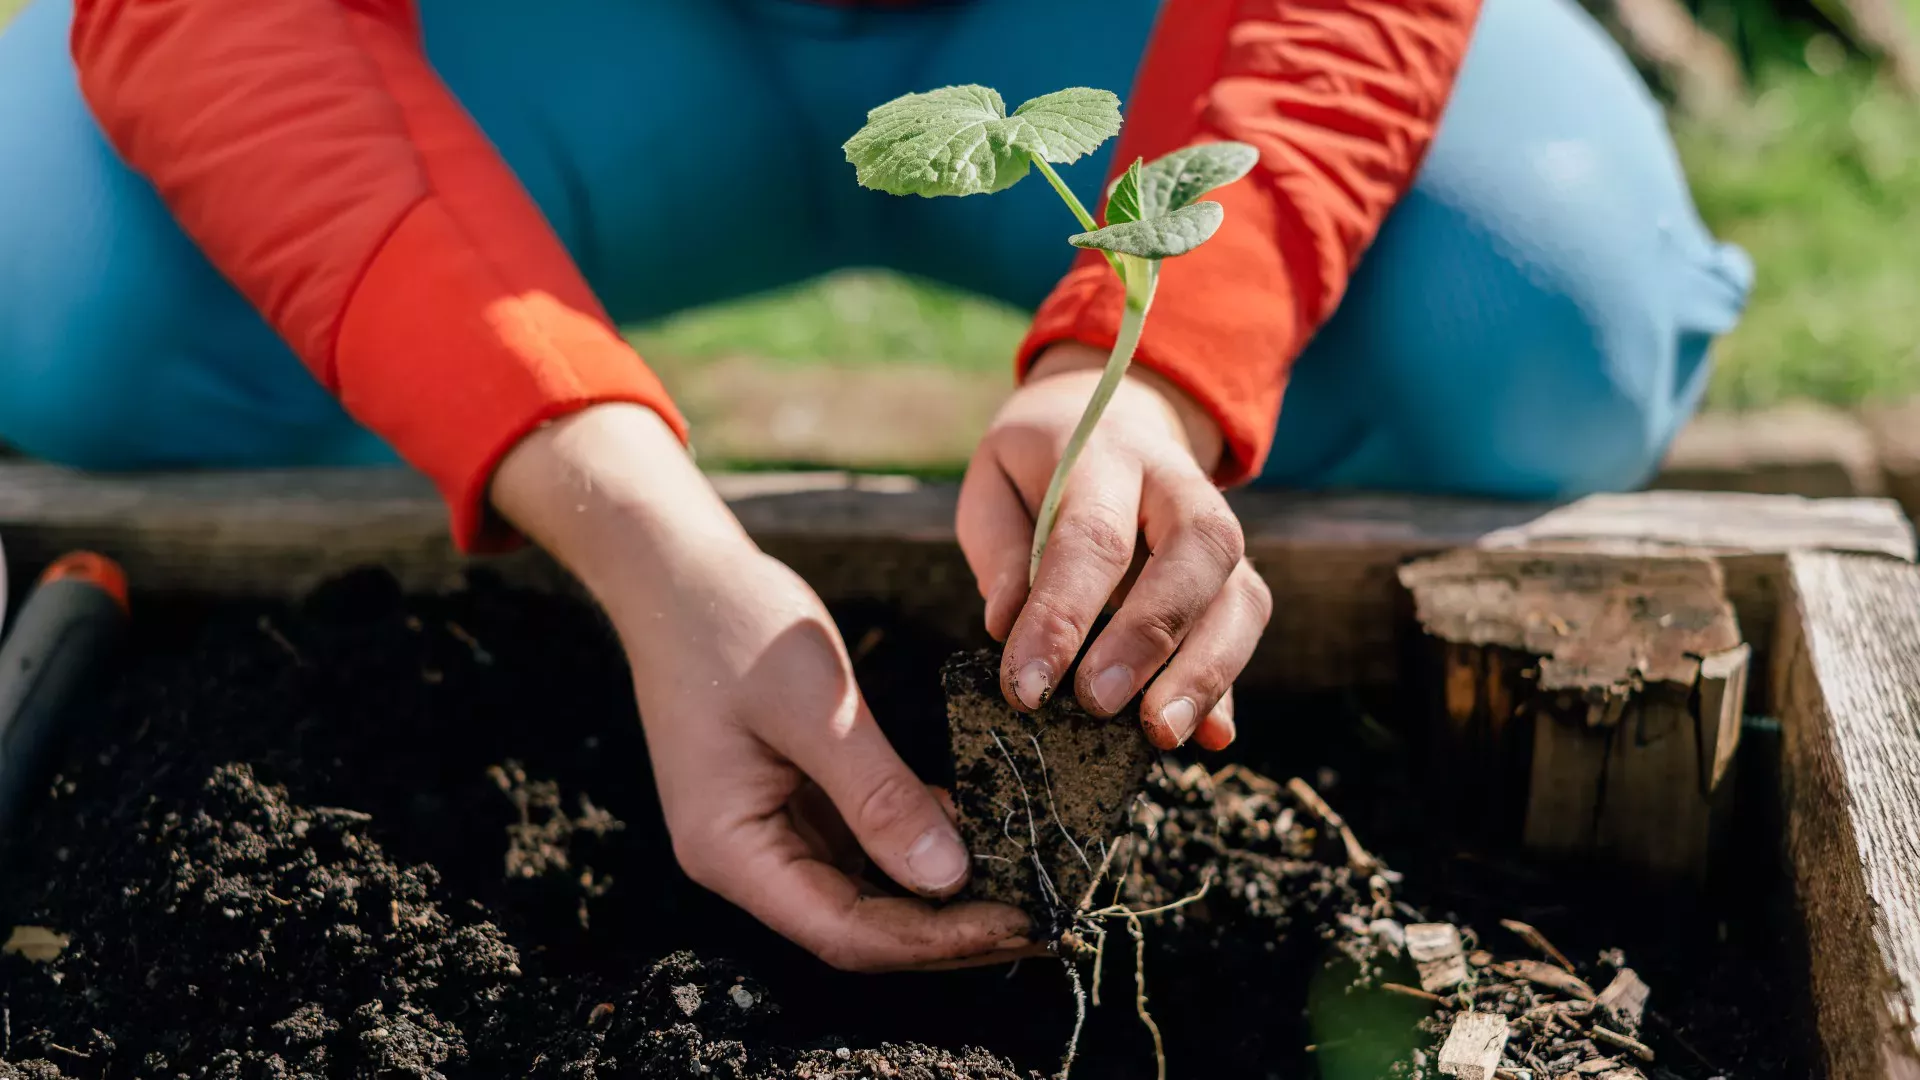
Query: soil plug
pixel 68 627
pixel 1040 796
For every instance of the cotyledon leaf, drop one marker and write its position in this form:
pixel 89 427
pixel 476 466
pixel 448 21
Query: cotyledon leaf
pixel 1123 202
pixel 1178 179
pixel 1160 237
pixel 959 140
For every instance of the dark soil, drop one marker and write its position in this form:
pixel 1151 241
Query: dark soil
pixel 381 836
pixel 1041 795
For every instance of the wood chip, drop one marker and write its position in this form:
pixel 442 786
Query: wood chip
pixel 35 943
pixel 1438 953
pixel 1412 992
pixel 1358 858
pixel 1625 998
pixel 1596 1066
pixel 1540 973
pixel 1632 1046
pixel 1473 1047
pixel 1539 941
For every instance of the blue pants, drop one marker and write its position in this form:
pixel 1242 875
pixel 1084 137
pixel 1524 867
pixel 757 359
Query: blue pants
pixel 1533 320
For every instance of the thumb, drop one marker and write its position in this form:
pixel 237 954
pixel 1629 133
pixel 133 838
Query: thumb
pixel 898 820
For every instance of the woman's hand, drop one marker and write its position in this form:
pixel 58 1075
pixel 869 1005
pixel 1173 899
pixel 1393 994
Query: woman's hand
pixel 766 757
pixel 1195 607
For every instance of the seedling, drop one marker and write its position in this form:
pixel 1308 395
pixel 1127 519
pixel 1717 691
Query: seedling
pixel 959 140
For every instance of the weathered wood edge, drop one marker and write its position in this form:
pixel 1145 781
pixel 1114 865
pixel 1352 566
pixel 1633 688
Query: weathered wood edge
pixel 1330 559
pixel 1847 686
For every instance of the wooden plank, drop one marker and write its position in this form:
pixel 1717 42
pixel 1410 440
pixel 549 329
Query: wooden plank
pixel 1848 691
pixel 1330 559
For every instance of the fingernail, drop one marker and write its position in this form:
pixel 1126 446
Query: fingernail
pixel 1033 683
pixel 1111 688
pixel 1180 717
pixel 937 861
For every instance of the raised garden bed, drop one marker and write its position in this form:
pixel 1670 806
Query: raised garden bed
pixel 347 822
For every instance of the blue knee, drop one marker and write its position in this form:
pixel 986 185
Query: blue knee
pixel 1534 318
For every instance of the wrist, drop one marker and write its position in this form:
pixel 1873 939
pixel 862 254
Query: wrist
pixel 611 493
pixel 1194 424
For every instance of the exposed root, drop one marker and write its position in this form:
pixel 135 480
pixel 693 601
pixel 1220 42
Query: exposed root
pixel 1048 891
pixel 1053 811
pixel 1079 1015
pixel 1140 995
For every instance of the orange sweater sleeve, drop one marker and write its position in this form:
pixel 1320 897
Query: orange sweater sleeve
pixel 1341 97
pixel 312 153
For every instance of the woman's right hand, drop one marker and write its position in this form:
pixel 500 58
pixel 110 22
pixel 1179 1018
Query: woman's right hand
pixel 765 755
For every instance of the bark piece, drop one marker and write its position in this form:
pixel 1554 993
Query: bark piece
pixel 1541 973
pixel 1042 796
pixel 1625 998
pixel 1439 955
pixel 1575 711
pixel 1473 1047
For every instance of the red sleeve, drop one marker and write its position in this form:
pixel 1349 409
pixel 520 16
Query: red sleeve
pixel 1341 97
pixel 311 152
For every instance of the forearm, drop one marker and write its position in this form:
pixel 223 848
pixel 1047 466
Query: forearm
pixel 611 493
pixel 314 156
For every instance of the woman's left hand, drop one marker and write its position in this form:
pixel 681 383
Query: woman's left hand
pixel 1190 608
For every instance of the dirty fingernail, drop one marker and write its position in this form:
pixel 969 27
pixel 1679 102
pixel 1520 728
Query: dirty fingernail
pixel 937 860
pixel 1180 717
pixel 1111 688
pixel 1033 683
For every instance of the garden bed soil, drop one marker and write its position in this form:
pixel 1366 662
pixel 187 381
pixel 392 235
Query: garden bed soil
pixel 414 837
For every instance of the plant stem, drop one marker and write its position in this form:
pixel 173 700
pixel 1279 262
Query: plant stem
pixel 1079 209
pixel 1132 322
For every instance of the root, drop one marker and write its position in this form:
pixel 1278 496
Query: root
pixel 1079 1016
pixel 1048 891
pixel 1140 995
pixel 1122 911
pixel 1099 959
pixel 1047 783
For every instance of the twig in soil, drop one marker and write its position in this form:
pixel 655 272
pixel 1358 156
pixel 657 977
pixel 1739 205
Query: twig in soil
pixel 480 654
pixel 280 639
pixel 1632 1046
pixel 69 1051
pixel 1046 784
pixel 868 642
pixel 1539 941
pixel 1140 995
pixel 1079 1016
pixel 1359 859
pixel 1412 992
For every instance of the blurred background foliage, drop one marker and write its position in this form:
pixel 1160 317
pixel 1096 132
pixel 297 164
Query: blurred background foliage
pixel 1798 122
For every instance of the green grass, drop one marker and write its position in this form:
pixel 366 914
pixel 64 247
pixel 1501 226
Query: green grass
pixel 848 318
pixel 1821 184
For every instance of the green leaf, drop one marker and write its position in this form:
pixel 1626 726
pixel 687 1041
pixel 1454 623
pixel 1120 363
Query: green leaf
pixel 959 140
pixel 1066 125
pixel 1123 202
pixel 1160 237
pixel 1175 181
pixel 951 141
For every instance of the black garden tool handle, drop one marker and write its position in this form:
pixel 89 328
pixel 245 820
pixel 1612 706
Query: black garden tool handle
pixel 67 631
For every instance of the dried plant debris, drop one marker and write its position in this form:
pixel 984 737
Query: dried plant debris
pixel 1041 796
